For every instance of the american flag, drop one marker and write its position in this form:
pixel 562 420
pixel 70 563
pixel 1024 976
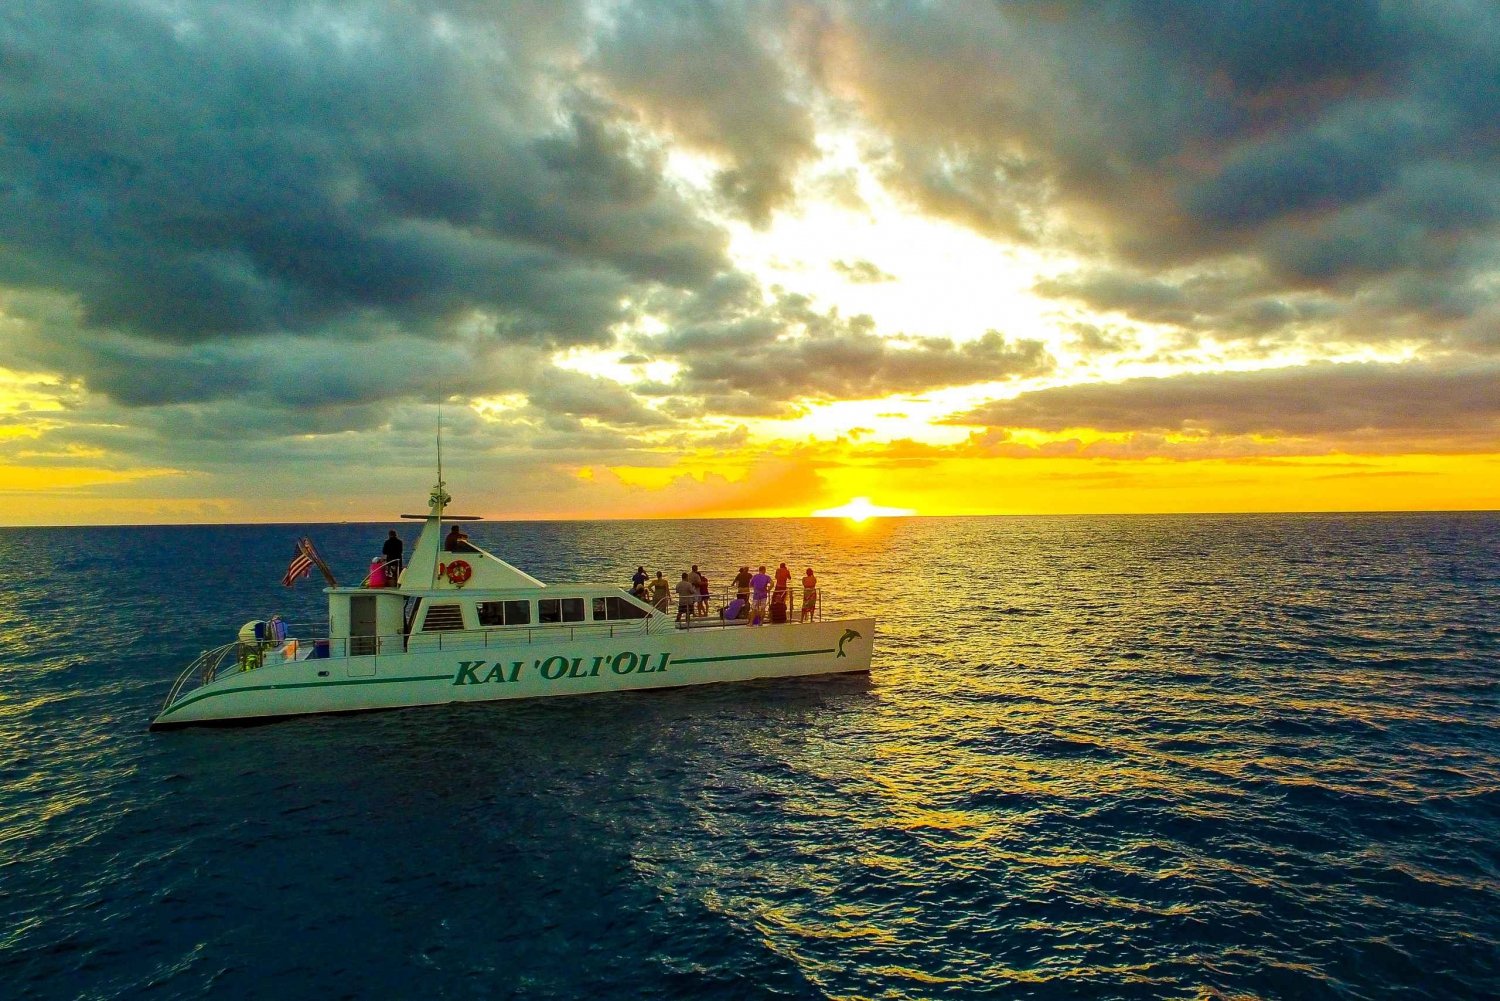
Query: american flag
pixel 301 566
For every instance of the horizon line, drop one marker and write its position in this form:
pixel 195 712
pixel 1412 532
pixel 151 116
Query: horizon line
pixel 786 517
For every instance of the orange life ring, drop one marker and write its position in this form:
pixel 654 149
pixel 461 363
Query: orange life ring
pixel 459 572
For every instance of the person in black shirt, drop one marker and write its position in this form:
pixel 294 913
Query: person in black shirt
pixel 392 552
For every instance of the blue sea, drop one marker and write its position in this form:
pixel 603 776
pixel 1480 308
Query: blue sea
pixel 1097 757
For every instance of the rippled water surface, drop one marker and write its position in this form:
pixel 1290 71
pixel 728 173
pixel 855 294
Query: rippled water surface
pixel 1097 757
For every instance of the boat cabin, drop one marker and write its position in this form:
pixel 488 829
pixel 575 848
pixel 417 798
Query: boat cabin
pixel 454 593
pixel 375 621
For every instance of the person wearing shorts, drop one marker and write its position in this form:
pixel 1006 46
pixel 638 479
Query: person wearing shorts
pixel 687 597
pixel 760 588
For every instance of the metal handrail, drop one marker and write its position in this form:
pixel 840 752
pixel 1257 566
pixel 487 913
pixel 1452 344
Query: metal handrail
pixel 719 598
pixel 385 568
pixel 205 667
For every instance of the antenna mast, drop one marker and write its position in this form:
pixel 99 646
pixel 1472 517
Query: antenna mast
pixel 439 498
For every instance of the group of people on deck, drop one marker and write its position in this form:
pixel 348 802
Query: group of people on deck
pixel 757 596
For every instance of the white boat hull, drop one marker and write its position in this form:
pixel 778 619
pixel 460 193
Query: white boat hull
pixel 541 668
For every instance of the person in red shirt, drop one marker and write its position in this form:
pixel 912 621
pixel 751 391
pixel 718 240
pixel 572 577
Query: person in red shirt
pixel 778 594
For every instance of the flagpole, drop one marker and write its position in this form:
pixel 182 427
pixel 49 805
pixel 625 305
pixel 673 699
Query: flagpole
pixel 312 554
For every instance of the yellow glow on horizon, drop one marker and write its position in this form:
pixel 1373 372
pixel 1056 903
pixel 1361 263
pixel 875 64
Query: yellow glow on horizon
pixel 937 484
pixel 968 485
pixel 50 479
pixel 860 509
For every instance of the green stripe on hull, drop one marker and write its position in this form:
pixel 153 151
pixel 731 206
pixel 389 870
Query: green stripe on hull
pixel 746 656
pixel 199 696
pixel 303 684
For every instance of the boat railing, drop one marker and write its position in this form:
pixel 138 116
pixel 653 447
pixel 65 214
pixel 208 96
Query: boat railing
pixel 714 603
pixel 204 669
pixel 382 574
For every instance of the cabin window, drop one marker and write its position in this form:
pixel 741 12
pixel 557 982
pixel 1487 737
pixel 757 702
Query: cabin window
pixel 559 610
pixel 442 617
pixel 611 607
pixel 504 613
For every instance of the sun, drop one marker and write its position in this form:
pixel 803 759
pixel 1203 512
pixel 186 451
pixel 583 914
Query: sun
pixel 860 509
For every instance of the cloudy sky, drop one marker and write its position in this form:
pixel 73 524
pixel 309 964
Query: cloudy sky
pixel 746 258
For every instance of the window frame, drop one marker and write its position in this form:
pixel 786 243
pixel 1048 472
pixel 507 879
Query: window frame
pixel 564 606
pixel 507 606
pixel 618 602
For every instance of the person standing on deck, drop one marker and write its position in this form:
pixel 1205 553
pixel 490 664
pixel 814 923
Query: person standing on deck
pixel 659 591
pixel 760 584
pixel 742 585
pixel 687 597
pixel 779 595
pixel 809 595
pixel 703 592
pixel 638 582
pixel 392 551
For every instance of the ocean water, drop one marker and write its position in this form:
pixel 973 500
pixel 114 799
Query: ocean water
pixel 1146 757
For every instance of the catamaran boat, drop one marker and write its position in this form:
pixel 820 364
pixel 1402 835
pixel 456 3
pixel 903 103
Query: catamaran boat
pixel 463 625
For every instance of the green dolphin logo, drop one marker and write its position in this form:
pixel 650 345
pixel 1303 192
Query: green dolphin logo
pixel 849 634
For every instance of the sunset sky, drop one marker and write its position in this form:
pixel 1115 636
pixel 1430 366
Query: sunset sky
pixel 683 259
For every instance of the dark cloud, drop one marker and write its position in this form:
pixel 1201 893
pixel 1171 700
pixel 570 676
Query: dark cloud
pixel 1338 162
pixel 1345 148
pixel 1143 297
pixel 338 368
pixel 1481 333
pixel 1453 402
pixel 1228 304
pixel 198 170
pixel 755 362
pixel 709 73
pixel 1272 46
pixel 997 115
pixel 559 391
